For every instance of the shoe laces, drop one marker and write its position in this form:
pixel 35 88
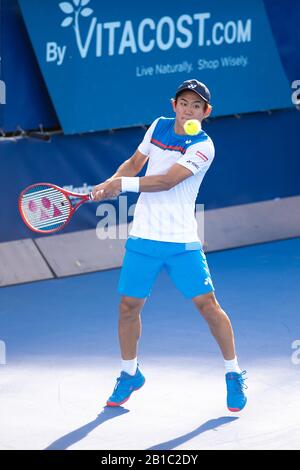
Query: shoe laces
pixel 241 380
pixel 119 385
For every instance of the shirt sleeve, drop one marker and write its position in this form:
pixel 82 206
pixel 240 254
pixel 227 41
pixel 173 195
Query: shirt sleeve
pixel 144 146
pixel 198 157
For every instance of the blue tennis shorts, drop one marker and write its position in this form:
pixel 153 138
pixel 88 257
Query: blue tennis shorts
pixel 185 263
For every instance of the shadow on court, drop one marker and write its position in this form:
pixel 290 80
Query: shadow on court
pixel 212 424
pixel 71 438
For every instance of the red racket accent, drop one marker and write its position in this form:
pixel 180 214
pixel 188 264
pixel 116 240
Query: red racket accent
pixel 47 208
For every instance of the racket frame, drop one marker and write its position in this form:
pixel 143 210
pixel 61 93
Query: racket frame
pixel 84 198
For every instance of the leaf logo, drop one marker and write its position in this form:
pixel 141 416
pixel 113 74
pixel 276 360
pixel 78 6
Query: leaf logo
pixel 74 12
pixel 78 8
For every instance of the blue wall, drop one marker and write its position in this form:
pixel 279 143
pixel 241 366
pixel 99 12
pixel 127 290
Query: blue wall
pixel 256 159
pixel 284 20
pixel 28 103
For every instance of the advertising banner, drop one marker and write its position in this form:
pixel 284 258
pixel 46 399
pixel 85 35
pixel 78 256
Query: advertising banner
pixel 113 65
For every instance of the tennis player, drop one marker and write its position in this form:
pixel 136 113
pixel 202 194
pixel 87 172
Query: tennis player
pixel 164 234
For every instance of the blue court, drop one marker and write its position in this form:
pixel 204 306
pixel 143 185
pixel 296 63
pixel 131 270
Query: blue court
pixel 62 358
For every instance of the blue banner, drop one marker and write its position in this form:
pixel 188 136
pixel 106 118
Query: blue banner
pixel 117 65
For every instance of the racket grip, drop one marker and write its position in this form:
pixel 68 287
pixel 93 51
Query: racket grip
pixel 91 197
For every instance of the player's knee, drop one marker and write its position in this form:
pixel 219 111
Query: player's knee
pixel 130 307
pixel 207 305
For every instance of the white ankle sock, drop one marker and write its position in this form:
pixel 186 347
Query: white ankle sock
pixel 232 366
pixel 129 366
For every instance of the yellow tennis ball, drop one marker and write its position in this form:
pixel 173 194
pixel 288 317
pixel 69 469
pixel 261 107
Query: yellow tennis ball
pixel 192 127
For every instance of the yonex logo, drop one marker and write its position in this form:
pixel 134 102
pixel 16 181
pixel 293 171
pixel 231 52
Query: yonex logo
pixel 188 141
pixel 44 207
pixel 193 163
pixel 192 85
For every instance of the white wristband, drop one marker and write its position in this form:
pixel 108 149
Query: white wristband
pixel 129 183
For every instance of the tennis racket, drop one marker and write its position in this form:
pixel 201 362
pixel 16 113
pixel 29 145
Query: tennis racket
pixel 47 208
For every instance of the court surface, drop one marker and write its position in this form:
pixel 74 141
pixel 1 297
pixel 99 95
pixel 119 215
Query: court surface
pixel 62 359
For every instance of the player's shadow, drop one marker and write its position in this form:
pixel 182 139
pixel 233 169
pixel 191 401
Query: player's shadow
pixel 212 424
pixel 72 437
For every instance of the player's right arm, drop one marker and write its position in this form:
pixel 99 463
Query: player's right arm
pixel 132 166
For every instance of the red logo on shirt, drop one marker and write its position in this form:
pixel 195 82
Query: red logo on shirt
pixel 202 156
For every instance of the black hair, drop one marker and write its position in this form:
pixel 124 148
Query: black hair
pixel 206 104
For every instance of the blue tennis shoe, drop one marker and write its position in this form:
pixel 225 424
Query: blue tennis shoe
pixel 236 398
pixel 126 384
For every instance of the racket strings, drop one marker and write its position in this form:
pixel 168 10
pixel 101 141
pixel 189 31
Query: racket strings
pixel 45 208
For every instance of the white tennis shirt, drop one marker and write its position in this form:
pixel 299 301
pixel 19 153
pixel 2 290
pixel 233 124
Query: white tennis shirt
pixel 169 215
